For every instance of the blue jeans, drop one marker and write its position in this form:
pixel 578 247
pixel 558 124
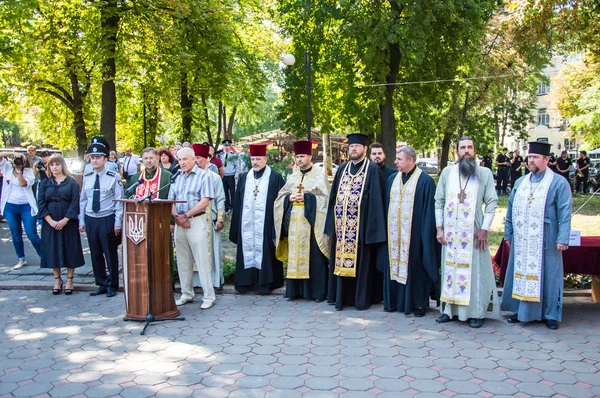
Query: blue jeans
pixel 15 215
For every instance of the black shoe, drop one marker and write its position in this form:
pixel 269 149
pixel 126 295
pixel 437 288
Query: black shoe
pixel 111 293
pixel 513 319
pixel 551 324
pixel 419 312
pixel 443 319
pixel 319 300
pixel 99 291
pixel 475 323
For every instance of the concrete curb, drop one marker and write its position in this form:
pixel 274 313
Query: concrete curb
pixel 227 289
pixel 89 287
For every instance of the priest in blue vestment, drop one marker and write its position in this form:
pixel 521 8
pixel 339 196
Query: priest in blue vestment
pixel 537 228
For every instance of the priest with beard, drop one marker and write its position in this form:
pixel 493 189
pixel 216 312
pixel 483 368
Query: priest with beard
pixel 300 211
pixel 151 179
pixel 468 286
pixel 378 156
pixel 253 226
pixel 356 224
pixel 413 268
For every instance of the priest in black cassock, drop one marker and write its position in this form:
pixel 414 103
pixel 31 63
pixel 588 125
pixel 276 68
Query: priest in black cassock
pixel 356 224
pixel 300 213
pixel 378 156
pixel 252 226
pixel 412 269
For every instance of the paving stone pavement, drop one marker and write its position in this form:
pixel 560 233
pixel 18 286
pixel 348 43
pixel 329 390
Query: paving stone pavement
pixel 266 346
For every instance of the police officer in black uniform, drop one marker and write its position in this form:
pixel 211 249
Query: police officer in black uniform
pixel 101 218
pixel 503 163
pixel 563 166
pixel 486 161
pixel 583 172
pixel 516 168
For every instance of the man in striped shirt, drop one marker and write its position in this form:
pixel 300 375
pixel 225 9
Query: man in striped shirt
pixel 195 189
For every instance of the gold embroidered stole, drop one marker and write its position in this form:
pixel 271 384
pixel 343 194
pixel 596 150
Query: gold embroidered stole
pixel 529 206
pixel 400 215
pixel 149 185
pixel 459 232
pixel 295 248
pixel 347 219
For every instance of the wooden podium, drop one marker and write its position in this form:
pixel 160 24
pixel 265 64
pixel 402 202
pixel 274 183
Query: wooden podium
pixel 146 270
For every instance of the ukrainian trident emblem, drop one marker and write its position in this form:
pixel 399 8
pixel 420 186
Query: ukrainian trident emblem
pixel 136 227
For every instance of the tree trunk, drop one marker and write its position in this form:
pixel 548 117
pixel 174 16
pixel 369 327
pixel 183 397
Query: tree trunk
pixel 327 161
pixel 449 131
pixel 109 20
pixel 152 120
pixel 387 136
pixel 186 103
pixel 78 115
pixel 206 118
pixel 229 132
pixel 220 123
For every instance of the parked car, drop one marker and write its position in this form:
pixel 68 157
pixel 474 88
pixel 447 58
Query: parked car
pixel 594 184
pixel 334 167
pixel 75 165
pixel 428 166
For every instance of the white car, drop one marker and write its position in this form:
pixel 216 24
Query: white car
pixel 334 167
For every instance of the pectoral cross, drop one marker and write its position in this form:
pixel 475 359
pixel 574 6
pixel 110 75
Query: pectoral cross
pixel 530 198
pixel 462 196
pixel 300 188
pixel 255 191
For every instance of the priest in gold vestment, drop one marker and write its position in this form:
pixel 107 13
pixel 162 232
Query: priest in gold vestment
pixel 356 224
pixel 300 212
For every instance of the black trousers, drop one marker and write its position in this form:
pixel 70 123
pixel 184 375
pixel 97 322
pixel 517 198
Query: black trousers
pixel 103 249
pixel 566 177
pixel 584 180
pixel 514 176
pixel 502 179
pixel 229 187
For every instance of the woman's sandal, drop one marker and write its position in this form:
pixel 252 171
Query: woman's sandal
pixel 68 292
pixel 57 291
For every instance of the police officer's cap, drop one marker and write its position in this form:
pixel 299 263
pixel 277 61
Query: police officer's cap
pixel 98 149
pixel 98 139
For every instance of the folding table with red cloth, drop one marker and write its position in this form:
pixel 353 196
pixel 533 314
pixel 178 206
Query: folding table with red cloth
pixel 584 259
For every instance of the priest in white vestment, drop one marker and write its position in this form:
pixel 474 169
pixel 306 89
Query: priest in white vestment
pixel 257 269
pixel 468 286
pixel 538 222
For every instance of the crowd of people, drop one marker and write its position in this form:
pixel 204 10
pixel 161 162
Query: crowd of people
pixel 374 234
pixel 511 166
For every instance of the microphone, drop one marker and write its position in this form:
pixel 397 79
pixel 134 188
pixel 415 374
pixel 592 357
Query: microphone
pixel 132 188
pixel 174 176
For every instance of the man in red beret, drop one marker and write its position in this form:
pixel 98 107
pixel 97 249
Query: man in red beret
pixel 300 212
pixel 252 226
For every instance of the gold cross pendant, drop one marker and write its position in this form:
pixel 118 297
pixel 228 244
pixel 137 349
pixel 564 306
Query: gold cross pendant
pixel 462 196
pixel 300 188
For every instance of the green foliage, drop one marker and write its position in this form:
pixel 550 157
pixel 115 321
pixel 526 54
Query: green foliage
pixel 217 51
pixel 579 98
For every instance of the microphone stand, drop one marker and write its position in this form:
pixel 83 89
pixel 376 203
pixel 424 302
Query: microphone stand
pixel 150 318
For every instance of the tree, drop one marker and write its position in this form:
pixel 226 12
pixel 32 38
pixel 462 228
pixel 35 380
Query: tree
pixel 49 49
pixel 362 50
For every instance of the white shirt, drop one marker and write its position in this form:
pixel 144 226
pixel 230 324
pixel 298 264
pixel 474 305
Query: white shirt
pixel 130 164
pixel 10 181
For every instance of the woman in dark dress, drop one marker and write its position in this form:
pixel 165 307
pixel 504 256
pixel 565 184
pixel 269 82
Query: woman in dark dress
pixel 58 206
